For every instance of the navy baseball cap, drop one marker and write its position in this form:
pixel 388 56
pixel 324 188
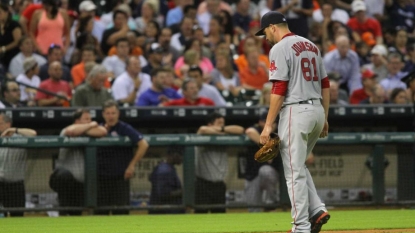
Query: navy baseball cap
pixel 272 17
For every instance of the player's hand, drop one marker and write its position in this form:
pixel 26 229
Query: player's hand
pixel 129 172
pixel 265 134
pixel 325 130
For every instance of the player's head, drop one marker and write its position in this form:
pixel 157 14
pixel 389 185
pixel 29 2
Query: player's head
pixel 175 155
pixel 81 116
pixel 110 113
pixel 274 26
pixel 215 119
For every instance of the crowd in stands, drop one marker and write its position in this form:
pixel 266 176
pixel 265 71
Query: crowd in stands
pixel 144 52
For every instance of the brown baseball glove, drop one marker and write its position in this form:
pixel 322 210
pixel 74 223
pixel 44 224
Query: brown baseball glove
pixel 270 150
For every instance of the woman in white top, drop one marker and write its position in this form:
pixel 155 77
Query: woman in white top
pixel 223 76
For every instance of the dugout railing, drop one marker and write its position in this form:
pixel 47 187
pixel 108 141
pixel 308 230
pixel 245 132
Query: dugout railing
pixel 387 157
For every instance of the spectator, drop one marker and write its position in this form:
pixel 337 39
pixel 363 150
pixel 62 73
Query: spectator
pixel 410 63
pixel 55 53
pixel 56 85
pixel 376 96
pixel 176 15
pixel 375 9
pixel 297 14
pixel 256 74
pixel 401 14
pixel 26 51
pixel 118 31
pixel 131 84
pixel 260 178
pixel 241 17
pixel 345 62
pixel 205 90
pixel 12 167
pixel 216 34
pixel 30 78
pixel 152 32
pixel 88 54
pixel 178 40
pixel 223 76
pixel 155 58
pixel 116 63
pixel 242 61
pixel 93 92
pixel 212 8
pixel 191 97
pixel 393 80
pixel 362 51
pixel 199 36
pixel 10 34
pixel 401 40
pixel 148 13
pixel 360 23
pixel 157 93
pixel 334 94
pixel 124 7
pixel 329 10
pixel 68 178
pixel 410 83
pixel 228 28
pixel 26 17
pixel 166 188
pixel 378 62
pixel 135 49
pixel 369 82
pixel 212 165
pixel 192 56
pixel 84 37
pixel 10 94
pixel 263 46
pixel 50 26
pixel 170 54
pixel 87 8
pixel 399 96
pixel 108 18
pixel 116 165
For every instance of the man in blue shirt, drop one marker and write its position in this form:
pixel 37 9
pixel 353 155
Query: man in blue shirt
pixel 166 188
pixel 158 93
pixel 116 165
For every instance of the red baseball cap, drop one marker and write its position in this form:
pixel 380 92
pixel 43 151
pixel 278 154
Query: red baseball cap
pixel 368 74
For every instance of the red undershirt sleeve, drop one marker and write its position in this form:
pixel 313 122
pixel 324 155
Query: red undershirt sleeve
pixel 279 87
pixel 325 83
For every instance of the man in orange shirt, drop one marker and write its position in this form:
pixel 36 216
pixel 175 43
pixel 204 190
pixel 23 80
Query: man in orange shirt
pixel 78 71
pixel 255 75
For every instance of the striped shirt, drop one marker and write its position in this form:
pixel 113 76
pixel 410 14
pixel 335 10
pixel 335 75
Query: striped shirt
pixel 211 163
pixel 12 163
pixel 72 159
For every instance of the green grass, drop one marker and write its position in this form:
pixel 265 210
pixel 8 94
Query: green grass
pixel 208 223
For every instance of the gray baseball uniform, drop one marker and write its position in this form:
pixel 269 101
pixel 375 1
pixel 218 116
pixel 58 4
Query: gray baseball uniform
pixel 298 61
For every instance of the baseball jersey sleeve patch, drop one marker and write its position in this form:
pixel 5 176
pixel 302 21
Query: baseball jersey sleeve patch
pixel 272 67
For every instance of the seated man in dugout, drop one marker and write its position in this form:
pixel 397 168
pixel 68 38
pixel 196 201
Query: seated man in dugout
pixel 12 168
pixel 68 177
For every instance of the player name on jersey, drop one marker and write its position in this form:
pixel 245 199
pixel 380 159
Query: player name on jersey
pixel 302 46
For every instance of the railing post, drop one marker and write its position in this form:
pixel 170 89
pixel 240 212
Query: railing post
pixel 91 177
pixel 189 176
pixel 378 174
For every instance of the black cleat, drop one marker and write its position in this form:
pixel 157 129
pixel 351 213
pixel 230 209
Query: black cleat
pixel 318 220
